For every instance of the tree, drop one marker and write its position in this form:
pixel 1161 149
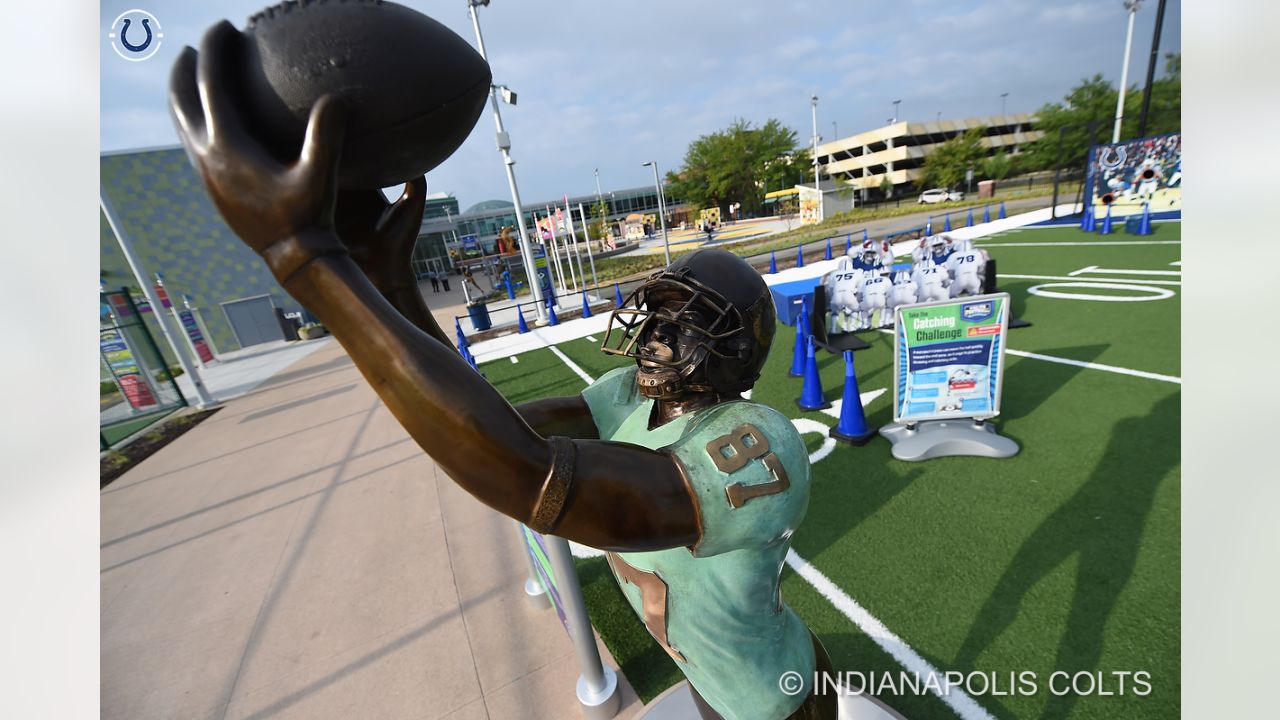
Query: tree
pixel 739 164
pixel 1093 101
pixel 997 167
pixel 946 166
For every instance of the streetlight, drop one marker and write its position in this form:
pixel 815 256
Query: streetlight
pixel 662 209
pixel 813 105
pixel 1002 97
pixel 504 147
pixel 895 110
pixel 834 133
pixel 1130 6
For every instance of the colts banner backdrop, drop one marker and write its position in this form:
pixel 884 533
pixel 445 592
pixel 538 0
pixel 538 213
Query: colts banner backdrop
pixel 1126 176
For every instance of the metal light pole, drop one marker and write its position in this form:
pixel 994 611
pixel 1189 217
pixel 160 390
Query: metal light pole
pixel 1151 70
pixel 504 147
pixel 895 110
pixel 1132 7
pixel 662 210
pixel 1002 98
pixel 813 106
pixel 834 132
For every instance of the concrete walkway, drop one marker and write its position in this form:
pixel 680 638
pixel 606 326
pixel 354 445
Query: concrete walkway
pixel 296 555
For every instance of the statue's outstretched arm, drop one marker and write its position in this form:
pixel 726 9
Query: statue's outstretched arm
pixel 608 495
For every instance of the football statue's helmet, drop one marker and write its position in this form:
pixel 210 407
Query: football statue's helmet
pixel 705 323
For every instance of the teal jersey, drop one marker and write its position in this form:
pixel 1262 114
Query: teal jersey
pixel 715 607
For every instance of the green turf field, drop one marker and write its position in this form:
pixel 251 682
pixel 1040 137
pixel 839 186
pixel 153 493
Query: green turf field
pixel 1062 558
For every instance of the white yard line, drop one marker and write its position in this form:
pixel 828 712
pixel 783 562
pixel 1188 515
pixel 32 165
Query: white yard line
pixel 1067 278
pixel 1095 270
pixel 572 365
pixel 1069 244
pixel 514 359
pixel 1096 366
pixel 964 706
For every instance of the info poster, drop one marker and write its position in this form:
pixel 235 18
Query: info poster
pixel 949 358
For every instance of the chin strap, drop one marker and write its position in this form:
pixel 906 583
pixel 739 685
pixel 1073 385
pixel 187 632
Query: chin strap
pixel 555 489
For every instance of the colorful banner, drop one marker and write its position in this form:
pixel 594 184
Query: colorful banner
pixel 189 324
pixel 163 296
pixel 1129 175
pixel 537 547
pixel 949 358
pixel 125 369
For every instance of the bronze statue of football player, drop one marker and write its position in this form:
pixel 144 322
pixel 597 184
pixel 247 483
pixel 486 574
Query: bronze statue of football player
pixel 693 491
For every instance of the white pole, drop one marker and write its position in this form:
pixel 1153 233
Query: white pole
pixel 555 248
pixel 586 236
pixel 568 219
pixel 203 399
pixel 504 146
pixel 1132 7
pixel 568 254
pixel 813 102
pixel 662 211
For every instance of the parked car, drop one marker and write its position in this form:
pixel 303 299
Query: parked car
pixel 938 195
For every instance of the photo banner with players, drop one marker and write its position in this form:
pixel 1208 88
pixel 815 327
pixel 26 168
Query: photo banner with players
pixel 1127 175
pixel 949 358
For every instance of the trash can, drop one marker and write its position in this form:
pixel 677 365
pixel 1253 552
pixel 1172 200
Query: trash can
pixel 479 313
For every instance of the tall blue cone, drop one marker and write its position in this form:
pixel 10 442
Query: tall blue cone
pixel 1144 225
pixel 986 213
pixel 797 354
pixel 970 218
pixel 586 307
pixel 773 264
pixel 457 328
pixel 1002 216
pixel 852 427
pixel 827 254
pixel 848 243
pixel 804 316
pixel 811 394
pixel 462 339
pixel 550 298
pixel 617 295
pixel 800 256
pixel 521 325
pixel 551 315
pixel 928 226
pixel 946 224
pixel 865 237
pixel 1106 223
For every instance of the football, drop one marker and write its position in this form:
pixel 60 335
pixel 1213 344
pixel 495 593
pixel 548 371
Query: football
pixel 412 87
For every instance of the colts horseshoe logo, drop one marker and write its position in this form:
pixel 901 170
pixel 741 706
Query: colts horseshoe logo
pixel 118 35
pixel 1118 156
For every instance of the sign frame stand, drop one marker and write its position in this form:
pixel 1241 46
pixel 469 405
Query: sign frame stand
pixel 928 439
pixel 915 436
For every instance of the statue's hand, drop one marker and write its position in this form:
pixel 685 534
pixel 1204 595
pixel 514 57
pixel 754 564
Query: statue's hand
pixel 379 235
pixel 283 211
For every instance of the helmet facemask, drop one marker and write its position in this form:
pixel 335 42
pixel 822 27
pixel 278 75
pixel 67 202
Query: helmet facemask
pixel 671 327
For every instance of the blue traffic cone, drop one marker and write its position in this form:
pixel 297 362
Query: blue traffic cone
pixel 1086 219
pixel 811 394
pixel 928 227
pixel 457 327
pixel 797 354
pixel 865 237
pixel 617 295
pixel 804 316
pixel 549 297
pixel 521 325
pixel 511 290
pixel 827 254
pixel 586 308
pixel 852 427
pixel 946 224
pixel 773 264
pixel 800 256
pixel 986 214
pixel 1144 225
pixel 848 243
pixel 551 315
pixel 970 218
pixel 1106 223
pixel 1002 216
pixel 462 338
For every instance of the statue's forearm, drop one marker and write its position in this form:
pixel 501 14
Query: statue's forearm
pixel 408 301
pixel 447 407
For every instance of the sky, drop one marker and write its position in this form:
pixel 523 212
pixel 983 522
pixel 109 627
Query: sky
pixel 610 85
